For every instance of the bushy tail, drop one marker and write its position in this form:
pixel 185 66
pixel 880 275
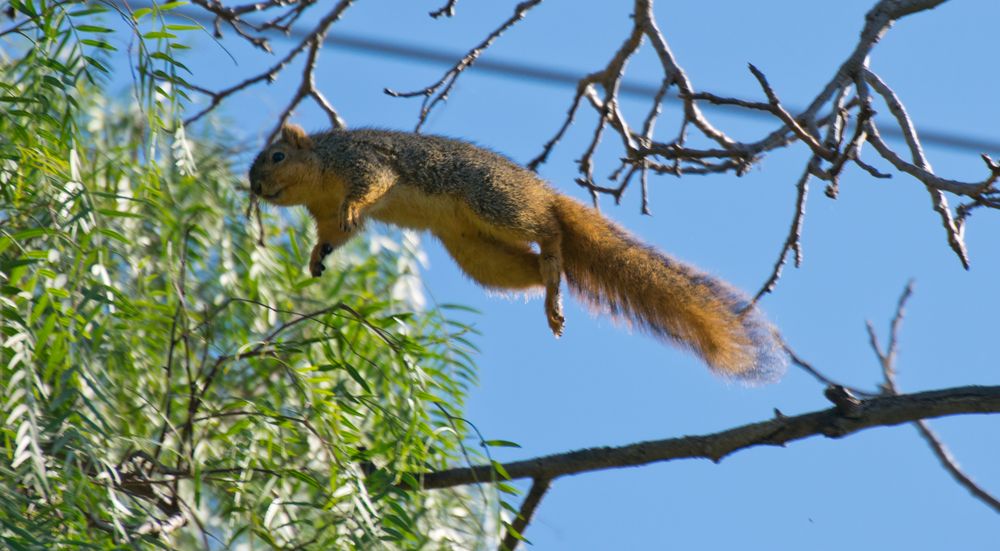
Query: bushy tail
pixel 615 272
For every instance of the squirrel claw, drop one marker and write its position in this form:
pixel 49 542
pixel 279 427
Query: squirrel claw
pixel 556 324
pixel 316 269
pixel 320 251
pixel 554 314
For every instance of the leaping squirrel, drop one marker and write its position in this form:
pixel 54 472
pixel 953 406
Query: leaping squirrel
pixel 488 211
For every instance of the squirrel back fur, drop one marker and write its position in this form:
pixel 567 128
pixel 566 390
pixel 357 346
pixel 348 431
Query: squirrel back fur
pixel 508 229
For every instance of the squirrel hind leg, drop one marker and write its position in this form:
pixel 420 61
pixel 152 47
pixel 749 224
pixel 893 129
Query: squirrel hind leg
pixel 494 264
pixel 551 266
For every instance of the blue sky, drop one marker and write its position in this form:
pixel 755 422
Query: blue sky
pixel 599 384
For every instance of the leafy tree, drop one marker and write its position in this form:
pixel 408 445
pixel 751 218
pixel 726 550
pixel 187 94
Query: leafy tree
pixel 167 381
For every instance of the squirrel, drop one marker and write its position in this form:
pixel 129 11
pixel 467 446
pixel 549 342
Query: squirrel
pixel 488 211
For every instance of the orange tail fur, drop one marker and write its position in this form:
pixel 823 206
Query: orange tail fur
pixel 615 272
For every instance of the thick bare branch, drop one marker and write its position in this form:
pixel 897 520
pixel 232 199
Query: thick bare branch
pixel 875 412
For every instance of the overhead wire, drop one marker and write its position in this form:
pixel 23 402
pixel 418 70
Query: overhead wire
pixel 556 76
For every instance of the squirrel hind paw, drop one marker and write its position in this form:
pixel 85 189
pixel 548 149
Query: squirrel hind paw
pixel 557 323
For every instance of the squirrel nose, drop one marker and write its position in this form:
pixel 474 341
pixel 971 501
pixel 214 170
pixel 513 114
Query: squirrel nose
pixel 255 187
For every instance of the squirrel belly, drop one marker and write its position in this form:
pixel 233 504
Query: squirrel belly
pixel 509 230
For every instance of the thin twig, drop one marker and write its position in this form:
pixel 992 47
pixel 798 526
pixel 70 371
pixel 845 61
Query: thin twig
pixel 438 92
pixel 447 10
pixel 887 360
pixel 270 74
pixel 819 376
pixel 793 242
pixel 921 163
pixel 950 465
pixel 787 118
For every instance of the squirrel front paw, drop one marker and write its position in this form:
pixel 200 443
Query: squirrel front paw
pixel 319 252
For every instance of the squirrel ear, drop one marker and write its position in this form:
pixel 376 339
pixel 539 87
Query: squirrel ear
pixel 296 136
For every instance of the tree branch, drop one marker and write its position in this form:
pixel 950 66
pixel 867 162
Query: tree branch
pixel 531 501
pixel 794 240
pixel 728 155
pixel 312 40
pixel 875 412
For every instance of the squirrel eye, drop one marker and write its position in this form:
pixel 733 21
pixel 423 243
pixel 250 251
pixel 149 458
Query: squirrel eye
pixel 277 157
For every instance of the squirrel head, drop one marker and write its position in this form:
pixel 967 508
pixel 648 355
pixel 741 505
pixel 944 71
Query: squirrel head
pixel 287 172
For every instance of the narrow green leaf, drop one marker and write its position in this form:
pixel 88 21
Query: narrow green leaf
pixel 93 29
pixel 26 7
pixel 114 235
pixel 410 480
pixel 152 35
pixel 164 57
pixel 100 66
pixel 172 5
pixel 53 81
pixel 507 488
pixel 514 532
pixel 501 444
pixel 306 478
pixel 357 377
pixel 510 508
pixel 99 44
pixel 499 468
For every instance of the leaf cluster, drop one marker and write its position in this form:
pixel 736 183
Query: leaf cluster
pixel 167 382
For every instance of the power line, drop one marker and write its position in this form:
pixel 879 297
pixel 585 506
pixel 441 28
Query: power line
pixel 551 75
pixel 556 76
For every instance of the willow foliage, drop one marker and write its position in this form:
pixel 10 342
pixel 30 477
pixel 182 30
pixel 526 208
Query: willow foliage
pixel 165 380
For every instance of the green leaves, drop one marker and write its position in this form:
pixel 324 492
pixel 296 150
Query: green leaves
pixel 92 29
pixel 157 366
pixel 100 44
pixel 501 443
